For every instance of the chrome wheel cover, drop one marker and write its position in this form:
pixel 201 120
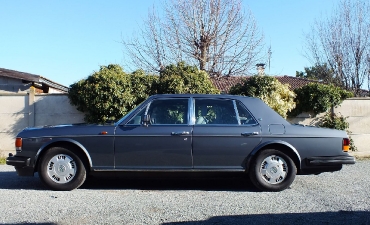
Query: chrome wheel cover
pixel 273 169
pixel 61 169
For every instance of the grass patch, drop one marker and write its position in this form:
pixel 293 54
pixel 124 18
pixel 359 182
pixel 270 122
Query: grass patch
pixel 2 160
pixel 362 158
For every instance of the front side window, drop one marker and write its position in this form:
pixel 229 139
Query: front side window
pixel 165 111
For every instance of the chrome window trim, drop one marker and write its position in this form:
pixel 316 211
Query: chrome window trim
pixel 236 111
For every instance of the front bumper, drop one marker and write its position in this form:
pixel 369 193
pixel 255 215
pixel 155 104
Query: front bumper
pixel 21 164
pixel 18 161
pixel 330 160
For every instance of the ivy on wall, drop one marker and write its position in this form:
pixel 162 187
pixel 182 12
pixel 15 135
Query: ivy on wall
pixel 318 98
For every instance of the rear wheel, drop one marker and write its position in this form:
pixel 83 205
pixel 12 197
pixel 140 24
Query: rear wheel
pixel 61 170
pixel 272 170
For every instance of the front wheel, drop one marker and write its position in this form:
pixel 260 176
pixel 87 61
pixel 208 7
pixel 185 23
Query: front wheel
pixel 61 170
pixel 272 170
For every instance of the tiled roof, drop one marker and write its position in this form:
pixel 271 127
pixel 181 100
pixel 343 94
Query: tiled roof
pixel 28 77
pixel 224 83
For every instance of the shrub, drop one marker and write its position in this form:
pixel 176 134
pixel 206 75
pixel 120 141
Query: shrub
pixel 268 89
pixel 318 98
pixel 110 93
pixel 182 78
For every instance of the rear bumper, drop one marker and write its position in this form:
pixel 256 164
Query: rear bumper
pixel 21 164
pixel 330 160
pixel 321 164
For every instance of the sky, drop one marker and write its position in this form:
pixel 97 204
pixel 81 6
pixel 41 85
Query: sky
pixel 66 41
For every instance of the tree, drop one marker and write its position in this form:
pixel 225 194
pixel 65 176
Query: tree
pixel 110 93
pixel 182 78
pixel 321 73
pixel 216 35
pixel 342 41
pixel 268 89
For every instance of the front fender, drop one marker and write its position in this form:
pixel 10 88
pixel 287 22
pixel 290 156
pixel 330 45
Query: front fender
pixel 63 140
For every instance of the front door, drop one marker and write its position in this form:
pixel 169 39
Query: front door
pixel 164 143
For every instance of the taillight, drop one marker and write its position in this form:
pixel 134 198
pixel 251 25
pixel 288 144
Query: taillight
pixel 345 144
pixel 18 144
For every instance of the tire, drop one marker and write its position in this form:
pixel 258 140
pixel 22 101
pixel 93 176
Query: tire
pixel 272 170
pixel 61 170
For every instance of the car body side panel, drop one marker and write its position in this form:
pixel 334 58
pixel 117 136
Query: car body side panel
pixel 98 146
pixel 153 147
pixel 223 147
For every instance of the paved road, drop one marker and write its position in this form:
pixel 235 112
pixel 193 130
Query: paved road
pixel 330 198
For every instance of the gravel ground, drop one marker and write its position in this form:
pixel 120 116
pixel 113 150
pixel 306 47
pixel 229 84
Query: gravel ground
pixel 330 198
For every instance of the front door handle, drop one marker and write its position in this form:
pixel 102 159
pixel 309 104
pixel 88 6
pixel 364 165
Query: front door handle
pixel 180 133
pixel 250 133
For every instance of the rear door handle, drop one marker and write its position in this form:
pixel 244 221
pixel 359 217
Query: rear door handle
pixel 180 133
pixel 250 133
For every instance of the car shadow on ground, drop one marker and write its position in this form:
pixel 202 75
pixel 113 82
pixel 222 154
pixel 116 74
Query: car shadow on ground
pixel 145 182
pixel 10 180
pixel 338 218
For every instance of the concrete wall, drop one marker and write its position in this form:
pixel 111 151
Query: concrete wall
pixel 357 111
pixel 20 110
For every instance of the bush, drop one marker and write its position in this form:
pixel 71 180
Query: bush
pixel 182 78
pixel 110 93
pixel 318 98
pixel 268 89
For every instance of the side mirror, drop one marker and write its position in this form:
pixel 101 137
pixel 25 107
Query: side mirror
pixel 145 120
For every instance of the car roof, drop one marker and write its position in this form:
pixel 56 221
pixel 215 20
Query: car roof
pixel 199 96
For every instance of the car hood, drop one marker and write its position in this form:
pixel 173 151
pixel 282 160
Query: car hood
pixel 66 130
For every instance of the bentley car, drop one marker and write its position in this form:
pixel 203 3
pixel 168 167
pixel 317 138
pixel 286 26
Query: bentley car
pixel 183 133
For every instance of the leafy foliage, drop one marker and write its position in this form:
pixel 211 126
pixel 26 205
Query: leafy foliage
pixel 331 120
pixel 270 90
pixel 320 72
pixel 110 93
pixel 318 98
pixel 182 78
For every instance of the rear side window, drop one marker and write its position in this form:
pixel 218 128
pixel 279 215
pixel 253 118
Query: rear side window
pixel 244 115
pixel 221 111
pixel 215 111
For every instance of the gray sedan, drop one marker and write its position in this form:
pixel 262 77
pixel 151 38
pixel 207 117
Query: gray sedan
pixel 183 133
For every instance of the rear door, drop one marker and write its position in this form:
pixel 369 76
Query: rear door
pixel 224 134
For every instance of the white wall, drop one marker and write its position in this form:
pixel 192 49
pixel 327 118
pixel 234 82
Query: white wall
pixel 18 111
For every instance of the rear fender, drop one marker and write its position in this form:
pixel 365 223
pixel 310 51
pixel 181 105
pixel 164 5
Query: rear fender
pixel 278 145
